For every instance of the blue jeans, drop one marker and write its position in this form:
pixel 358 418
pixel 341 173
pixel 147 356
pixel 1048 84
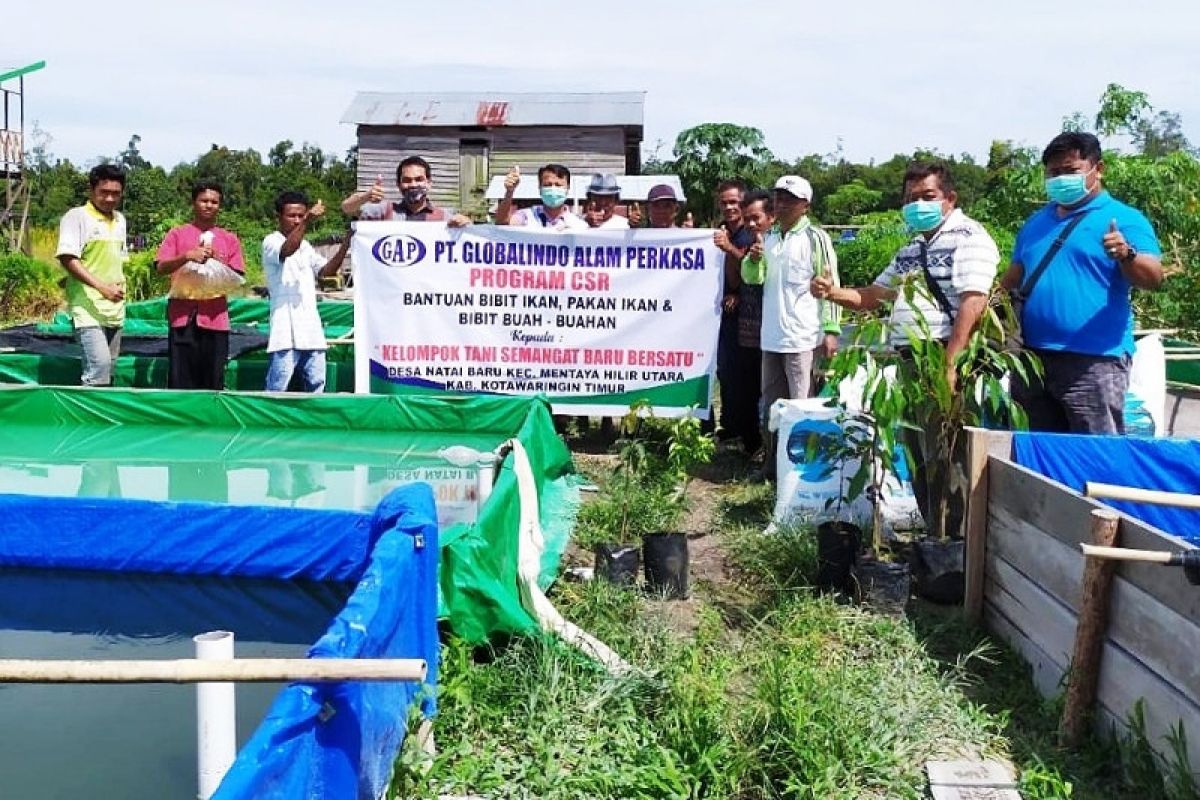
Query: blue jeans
pixel 100 348
pixel 285 362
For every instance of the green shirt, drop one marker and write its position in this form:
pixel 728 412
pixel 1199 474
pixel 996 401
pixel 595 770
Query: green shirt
pixel 99 242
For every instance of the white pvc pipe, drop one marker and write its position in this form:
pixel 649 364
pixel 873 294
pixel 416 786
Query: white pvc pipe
pixel 1108 491
pixel 485 478
pixel 216 716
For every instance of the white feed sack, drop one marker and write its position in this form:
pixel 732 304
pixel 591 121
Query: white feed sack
pixel 1147 395
pixel 810 483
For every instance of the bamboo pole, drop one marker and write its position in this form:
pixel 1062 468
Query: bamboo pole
pixel 1084 676
pixel 1126 554
pixel 242 670
pixel 1108 491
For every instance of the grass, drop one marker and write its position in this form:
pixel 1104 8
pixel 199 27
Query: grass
pixel 775 693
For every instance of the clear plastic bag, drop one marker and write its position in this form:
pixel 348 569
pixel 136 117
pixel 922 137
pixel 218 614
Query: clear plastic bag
pixel 195 281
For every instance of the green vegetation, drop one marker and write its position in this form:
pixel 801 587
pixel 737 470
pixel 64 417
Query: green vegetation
pixel 646 492
pixel 157 199
pixel 770 692
pixel 28 288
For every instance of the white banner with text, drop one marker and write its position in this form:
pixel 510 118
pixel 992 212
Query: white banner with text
pixel 594 320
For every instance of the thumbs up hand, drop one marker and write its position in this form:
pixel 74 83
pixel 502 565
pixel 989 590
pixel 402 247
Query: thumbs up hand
pixel 821 287
pixel 512 179
pixel 376 193
pixel 756 249
pixel 634 215
pixel 1115 244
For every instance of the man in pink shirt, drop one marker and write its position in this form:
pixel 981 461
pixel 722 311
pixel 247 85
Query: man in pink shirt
pixel 198 340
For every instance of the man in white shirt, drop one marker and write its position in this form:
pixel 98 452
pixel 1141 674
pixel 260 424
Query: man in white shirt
pixel 292 267
pixel 956 260
pixel 951 254
pixel 554 186
pixel 796 326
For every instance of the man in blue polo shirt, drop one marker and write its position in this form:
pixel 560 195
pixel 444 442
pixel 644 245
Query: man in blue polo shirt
pixel 1074 264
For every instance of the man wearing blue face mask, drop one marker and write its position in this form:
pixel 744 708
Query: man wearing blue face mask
pixel 1074 264
pixel 554 186
pixel 955 260
pixel 954 256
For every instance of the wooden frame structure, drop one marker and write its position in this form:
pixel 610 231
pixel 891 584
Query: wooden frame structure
pixel 1024 581
pixel 14 206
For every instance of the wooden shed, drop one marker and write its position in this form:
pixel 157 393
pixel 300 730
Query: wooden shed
pixel 470 137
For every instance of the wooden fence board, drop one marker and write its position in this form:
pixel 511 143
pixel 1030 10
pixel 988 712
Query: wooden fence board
pixel 1047 673
pixel 1043 630
pixel 1055 509
pixel 1161 639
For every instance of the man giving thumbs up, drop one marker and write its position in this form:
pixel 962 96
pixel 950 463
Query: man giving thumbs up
pixel 1074 265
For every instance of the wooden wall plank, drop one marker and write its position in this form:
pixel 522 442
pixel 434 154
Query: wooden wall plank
pixel 1047 561
pixel 1019 610
pixel 1161 639
pixel 1057 510
pixel 1047 672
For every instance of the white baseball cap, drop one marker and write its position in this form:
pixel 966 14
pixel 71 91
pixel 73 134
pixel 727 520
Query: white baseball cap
pixel 795 186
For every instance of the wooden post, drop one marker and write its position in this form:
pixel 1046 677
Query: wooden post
pixel 981 443
pixel 1089 633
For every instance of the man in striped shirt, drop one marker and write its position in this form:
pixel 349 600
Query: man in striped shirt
pixel 956 261
pixel 951 255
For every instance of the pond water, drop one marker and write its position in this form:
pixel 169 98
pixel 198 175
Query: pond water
pixel 65 742
pixel 346 470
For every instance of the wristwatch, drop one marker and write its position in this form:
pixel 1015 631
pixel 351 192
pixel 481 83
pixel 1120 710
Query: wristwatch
pixel 1130 254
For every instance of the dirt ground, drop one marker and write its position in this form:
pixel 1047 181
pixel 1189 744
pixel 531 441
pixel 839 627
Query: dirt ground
pixel 710 574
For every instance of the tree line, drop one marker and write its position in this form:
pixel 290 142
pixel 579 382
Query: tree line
pixel 1151 165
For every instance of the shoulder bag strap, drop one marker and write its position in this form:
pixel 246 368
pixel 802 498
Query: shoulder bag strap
pixel 934 287
pixel 1038 271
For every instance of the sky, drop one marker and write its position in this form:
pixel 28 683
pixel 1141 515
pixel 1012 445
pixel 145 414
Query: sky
pixel 873 77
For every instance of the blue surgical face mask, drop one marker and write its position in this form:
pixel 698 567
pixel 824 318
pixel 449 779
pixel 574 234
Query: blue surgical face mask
pixel 923 215
pixel 553 196
pixel 1067 190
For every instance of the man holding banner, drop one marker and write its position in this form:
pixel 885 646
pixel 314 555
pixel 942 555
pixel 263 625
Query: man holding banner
pixel 554 186
pixel 414 180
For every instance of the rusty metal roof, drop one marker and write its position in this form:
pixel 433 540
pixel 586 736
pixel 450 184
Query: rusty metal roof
pixel 496 109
